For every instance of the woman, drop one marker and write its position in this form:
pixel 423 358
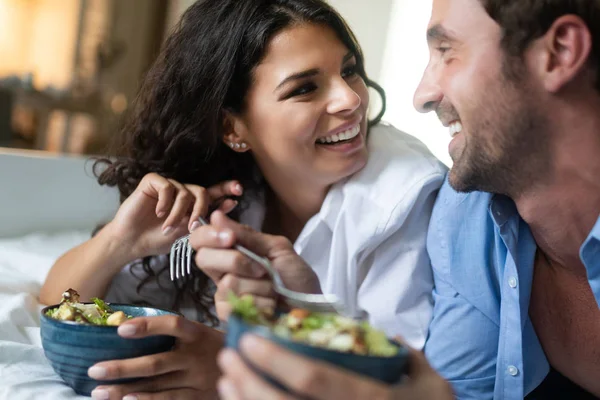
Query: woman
pixel 265 102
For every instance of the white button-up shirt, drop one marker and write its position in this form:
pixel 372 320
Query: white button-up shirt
pixel 367 243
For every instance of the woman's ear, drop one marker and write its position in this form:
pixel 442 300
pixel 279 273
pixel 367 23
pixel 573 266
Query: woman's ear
pixel 235 131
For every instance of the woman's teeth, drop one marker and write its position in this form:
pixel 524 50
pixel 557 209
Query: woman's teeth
pixel 346 135
pixel 455 128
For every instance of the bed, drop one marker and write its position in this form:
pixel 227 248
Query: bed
pixel 48 204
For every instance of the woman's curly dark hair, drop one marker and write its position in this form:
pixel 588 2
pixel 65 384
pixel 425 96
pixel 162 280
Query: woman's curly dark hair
pixel 205 68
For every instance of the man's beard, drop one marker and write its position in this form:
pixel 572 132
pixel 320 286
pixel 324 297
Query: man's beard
pixel 506 143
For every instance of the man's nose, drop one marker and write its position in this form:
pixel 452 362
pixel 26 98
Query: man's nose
pixel 428 94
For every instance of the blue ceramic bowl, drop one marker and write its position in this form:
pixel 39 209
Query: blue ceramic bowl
pixel 72 348
pixel 389 370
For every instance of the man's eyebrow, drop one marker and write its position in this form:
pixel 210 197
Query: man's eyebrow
pixel 438 33
pixel 309 73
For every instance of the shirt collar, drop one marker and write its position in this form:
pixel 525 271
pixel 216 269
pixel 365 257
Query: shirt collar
pixel 502 209
pixel 590 256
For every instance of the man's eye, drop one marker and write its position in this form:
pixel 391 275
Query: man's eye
pixel 349 71
pixel 302 90
pixel 443 49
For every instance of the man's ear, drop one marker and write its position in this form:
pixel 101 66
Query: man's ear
pixel 567 47
pixel 235 132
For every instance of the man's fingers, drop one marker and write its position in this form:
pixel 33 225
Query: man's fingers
pixel 140 367
pixel 313 379
pixel 179 327
pixel 242 383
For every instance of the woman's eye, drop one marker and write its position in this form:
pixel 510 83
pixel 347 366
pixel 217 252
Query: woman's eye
pixel 349 71
pixel 302 90
pixel 443 49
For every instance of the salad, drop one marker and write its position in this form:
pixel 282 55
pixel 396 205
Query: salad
pixel 326 330
pixel 98 313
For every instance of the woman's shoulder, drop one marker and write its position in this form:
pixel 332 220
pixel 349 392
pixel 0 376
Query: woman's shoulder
pixel 399 167
pixel 390 147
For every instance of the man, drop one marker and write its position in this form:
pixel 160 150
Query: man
pixel 518 84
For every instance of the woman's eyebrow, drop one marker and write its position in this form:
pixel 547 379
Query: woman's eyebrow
pixel 299 75
pixel 310 72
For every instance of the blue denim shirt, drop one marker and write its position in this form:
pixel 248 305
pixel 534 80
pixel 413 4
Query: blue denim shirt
pixel 481 338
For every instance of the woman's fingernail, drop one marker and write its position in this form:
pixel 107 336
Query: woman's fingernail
pixel 127 330
pixel 227 390
pixel 224 236
pixel 194 226
pixel 161 214
pixel 100 394
pixel 167 230
pixel 130 397
pixel 238 188
pixel 97 372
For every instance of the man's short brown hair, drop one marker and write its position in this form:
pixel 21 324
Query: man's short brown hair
pixel 524 21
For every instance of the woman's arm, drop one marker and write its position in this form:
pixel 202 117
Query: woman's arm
pixel 158 212
pixel 89 268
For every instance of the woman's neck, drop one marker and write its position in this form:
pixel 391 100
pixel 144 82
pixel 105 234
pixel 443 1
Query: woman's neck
pixel 289 209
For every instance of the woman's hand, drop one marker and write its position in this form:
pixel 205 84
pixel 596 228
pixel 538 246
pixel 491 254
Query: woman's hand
pixel 189 371
pixel 234 272
pixel 160 210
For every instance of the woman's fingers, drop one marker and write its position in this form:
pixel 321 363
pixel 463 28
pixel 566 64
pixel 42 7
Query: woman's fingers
pixel 206 197
pixel 262 291
pixel 218 262
pixel 141 367
pixel 183 202
pixel 225 189
pixel 241 286
pixel 158 187
pixel 160 384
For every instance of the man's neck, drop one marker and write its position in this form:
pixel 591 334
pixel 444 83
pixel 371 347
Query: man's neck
pixel 564 204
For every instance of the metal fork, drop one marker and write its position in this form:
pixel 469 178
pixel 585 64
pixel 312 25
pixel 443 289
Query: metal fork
pixel 181 264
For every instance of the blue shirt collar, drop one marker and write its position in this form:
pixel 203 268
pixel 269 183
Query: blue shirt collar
pixel 590 256
pixel 502 209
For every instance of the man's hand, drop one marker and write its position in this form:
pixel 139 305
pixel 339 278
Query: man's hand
pixel 189 371
pixel 234 272
pixel 317 380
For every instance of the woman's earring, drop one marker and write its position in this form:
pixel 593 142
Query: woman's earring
pixel 238 146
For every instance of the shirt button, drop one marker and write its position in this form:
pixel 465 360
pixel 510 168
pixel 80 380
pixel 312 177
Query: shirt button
pixel 512 370
pixel 512 282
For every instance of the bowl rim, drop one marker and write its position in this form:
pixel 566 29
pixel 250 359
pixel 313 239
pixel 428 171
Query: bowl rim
pixel 73 323
pixel 267 333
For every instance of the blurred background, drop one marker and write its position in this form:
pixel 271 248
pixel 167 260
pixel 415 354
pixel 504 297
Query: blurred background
pixel 69 69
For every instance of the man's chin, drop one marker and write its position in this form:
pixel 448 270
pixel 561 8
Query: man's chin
pixel 459 181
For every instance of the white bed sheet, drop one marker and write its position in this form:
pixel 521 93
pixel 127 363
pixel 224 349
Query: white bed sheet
pixel 24 262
